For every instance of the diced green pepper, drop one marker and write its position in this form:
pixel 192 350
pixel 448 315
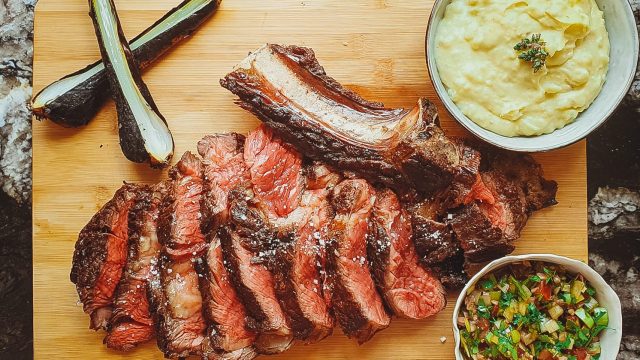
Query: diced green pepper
pixel 555 312
pixel 577 287
pixel 601 315
pixel 594 348
pixel 515 336
pixel 585 317
pixel 591 304
pixel 523 291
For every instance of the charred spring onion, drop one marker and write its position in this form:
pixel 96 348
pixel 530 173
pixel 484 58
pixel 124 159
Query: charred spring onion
pixel 144 135
pixel 75 99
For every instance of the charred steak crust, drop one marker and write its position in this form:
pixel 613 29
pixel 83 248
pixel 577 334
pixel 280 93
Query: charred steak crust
pixel 418 149
pixel 179 228
pixel 523 171
pixel 131 323
pixel 282 268
pixel 100 256
pixel 357 306
pixel 248 232
pixel 222 160
pixel 408 290
pixel 479 239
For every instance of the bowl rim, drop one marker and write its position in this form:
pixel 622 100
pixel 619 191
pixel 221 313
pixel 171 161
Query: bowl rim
pixel 449 104
pixel 614 311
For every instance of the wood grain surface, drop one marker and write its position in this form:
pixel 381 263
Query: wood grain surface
pixel 375 47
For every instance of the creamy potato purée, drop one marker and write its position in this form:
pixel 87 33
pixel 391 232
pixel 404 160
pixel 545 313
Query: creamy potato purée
pixel 501 93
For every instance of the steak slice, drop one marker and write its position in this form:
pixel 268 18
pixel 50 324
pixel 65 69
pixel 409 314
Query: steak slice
pixel 478 237
pixel 299 220
pixel 132 322
pixel 100 256
pixel 485 230
pixel 275 170
pixel 180 214
pixel 176 302
pixel 288 90
pixel 228 335
pixel 243 242
pixel 321 177
pixel 407 288
pixel 224 168
pixel 523 171
pixel 355 301
pixel 298 267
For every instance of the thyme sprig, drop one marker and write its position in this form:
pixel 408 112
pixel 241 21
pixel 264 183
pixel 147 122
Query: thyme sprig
pixel 532 50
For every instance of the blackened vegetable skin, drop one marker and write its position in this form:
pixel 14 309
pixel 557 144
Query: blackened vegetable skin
pixel 76 107
pixel 132 141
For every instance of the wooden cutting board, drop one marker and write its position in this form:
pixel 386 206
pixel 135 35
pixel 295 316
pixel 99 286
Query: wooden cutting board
pixel 375 47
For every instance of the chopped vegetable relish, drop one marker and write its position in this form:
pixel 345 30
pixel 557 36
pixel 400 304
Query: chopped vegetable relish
pixel 531 310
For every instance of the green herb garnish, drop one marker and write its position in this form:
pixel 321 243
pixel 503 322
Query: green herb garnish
pixel 532 310
pixel 532 50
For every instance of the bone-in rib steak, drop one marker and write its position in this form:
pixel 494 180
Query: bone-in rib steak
pixel 288 90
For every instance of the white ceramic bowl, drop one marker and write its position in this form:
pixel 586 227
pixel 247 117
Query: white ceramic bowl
pixel 610 338
pixel 623 37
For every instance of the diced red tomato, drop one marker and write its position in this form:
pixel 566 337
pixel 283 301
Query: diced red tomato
pixel 495 310
pixel 581 354
pixel 483 324
pixel 545 355
pixel 545 290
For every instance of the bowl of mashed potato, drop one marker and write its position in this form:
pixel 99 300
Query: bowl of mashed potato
pixel 531 75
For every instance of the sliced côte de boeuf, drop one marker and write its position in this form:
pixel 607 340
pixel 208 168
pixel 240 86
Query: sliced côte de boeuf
pixel 355 301
pixel 243 242
pixel 176 303
pixel 100 256
pixel 299 218
pixel 298 265
pixel 408 290
pixel 132 321
pixel 179 226
pixel 224 168
pixel 288 90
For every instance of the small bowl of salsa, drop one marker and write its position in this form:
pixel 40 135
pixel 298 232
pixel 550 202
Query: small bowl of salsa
pixel 537 306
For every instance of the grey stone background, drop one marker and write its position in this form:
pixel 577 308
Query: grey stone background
pixel 613 178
